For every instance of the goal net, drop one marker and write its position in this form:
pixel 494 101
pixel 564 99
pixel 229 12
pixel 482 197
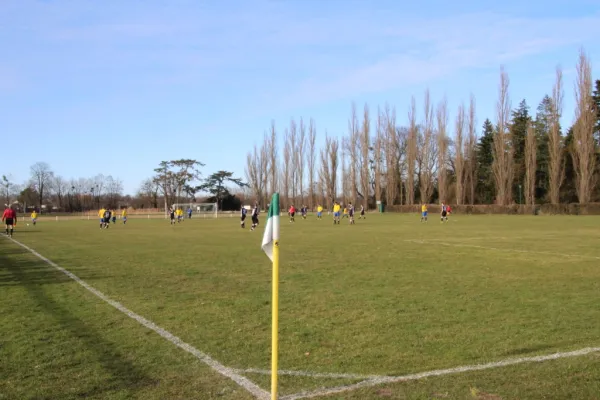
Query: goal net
pixel 201 210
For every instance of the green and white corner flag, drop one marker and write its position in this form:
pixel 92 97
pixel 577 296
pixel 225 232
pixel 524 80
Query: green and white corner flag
pixel 271 234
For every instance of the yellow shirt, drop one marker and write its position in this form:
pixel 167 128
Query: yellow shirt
pixel 345 211
pixel 179 212
pixel 336 208
pixel 423 208
pixel 124 213
pixel 101 213
pixel 33 215
pixel 320 209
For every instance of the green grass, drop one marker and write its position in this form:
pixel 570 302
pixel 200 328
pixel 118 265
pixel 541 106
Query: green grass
pixel 388 296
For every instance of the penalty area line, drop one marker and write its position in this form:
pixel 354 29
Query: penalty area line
pixel 242 381
pixel 440 372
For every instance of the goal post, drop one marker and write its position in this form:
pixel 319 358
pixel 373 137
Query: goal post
pixel 200 210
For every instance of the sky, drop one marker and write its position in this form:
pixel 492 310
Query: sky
pixel 115 87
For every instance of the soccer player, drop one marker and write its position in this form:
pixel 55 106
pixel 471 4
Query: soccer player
pixel 424 212
pixel 292 213
pixel 255 212
pixel 243 217
pixel 107 215
pixel 345 214
pixel 189 211
pixel 124 216
pixel 101 215
pixel 362 212
pixel 172 215
pixel 303 211
pixel 34 217
pixel 9 218
pixel 319 212
pixel 336 212
pixel 114 217
pixel 351 213
pixel 444 214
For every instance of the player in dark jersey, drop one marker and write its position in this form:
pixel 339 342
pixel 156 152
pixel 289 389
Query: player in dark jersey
pixel 9 218
pixel 444 214
pixel 303 211
pixel 351 213
pixel 255 212
pixel 172 215
pixel 243 217
pixel 362 212
pixel 106 221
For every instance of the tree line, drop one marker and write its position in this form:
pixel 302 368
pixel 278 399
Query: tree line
pixel 175 181
pixel 46 191
pixel 517 157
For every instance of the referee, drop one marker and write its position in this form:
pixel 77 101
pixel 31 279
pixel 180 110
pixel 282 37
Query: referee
pixel 10 219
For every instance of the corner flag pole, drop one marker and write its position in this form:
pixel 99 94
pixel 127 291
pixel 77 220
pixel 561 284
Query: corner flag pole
pixel 275 322
pixel 270 245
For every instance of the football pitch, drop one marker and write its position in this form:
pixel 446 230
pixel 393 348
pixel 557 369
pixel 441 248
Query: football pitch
pixel 482 307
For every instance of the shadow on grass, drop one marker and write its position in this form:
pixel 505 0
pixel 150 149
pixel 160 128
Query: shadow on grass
pixel 33 275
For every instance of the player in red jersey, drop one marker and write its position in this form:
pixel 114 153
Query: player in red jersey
pixel 292 212
pixel 9 218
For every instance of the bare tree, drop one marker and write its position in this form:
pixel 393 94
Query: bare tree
pixel 470 150
pixel 273 155
pixel 530 164
pixel 41 180
pixel 7 189
pixel 459 161
pixel 391 160
pixel 114 191
pixel 411 152
pixel 377 156
pixel 293 160
pixel 584 145
pixel 60 187
pixel 442 145
pixel 351 146
pixel 345 173
pixel 255 173
pixel 286 168
pixel 311 161
pixel 427 154
pixel 502 165
pixel 555 146
pixel 329 166
pixel 300 160
pixel 365 143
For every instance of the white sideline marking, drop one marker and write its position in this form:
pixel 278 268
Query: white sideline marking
pixel 331 375
pixel 439 372
pixel 206 359
pixel 498 249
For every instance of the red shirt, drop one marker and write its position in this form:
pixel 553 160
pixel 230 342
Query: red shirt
pixel 9 213
pixel 292 210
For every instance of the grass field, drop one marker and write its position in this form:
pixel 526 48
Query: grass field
pixel 386 297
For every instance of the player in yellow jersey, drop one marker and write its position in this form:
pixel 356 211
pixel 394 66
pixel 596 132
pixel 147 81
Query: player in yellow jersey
pixel 34 217
pixel 345 215
pixel 424 212
pixel 319 212
pixel 336 213
pixel 124 216
pixel 101 215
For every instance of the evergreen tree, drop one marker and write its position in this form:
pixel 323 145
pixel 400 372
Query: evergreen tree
pixel 520 119
pixel 542 128
pixel 568 190
pixel 485 158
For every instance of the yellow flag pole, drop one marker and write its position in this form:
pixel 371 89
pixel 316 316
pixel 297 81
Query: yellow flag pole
pixel 275 322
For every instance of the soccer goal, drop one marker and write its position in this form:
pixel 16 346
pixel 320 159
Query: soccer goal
pixel 201 210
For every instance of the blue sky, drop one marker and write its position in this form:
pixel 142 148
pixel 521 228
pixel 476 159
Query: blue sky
pixel 114 87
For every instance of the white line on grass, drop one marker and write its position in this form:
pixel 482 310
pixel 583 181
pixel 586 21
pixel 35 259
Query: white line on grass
pixel 206 359
pixel 308 374
pixel 433 241
pixel 467 368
